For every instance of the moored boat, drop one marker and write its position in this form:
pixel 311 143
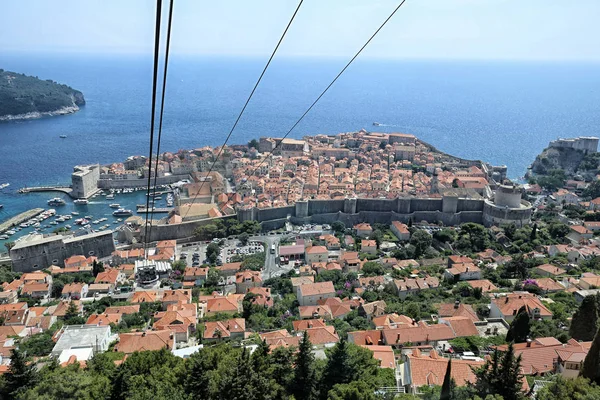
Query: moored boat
pixel 121 212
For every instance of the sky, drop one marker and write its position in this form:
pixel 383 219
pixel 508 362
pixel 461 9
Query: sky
pixel 442 29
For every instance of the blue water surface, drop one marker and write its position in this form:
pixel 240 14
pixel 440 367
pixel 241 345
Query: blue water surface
pixel 501 112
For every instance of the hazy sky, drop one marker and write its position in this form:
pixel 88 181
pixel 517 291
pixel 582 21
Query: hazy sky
pixel 476 29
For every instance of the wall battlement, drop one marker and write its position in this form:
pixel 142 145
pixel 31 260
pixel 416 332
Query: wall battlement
pixel 585 144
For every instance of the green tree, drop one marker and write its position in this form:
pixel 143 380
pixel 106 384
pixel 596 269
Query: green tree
pixel 303 384
pixel 243 238
pixel 337 370
pixel 585 320
pixel 20 376
pixel 356 390
pixel 212 278
pixel 593 190
pixel 591 364
pixel 243 382
pixel 445 235
pixel 338 226
pixel 179 265
pixel 447 384
pixel 533 234
pixel 38 345
pixel 422 241
pixel 519 329
pixel 569 389
pixel 500 376
pixel 253 143
pixel 97 267
pixel 72 313
pixel 9 245
pixel 212 252
pixel 69 383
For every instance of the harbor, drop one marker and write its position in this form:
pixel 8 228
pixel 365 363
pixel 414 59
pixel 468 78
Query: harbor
pixel 100 209
pixel 19 219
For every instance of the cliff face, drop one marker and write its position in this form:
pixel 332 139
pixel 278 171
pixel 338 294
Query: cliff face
pixel 573 162
pixel 558 158
pixel 24 96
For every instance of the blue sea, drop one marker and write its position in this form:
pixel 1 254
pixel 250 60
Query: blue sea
pixel 498 111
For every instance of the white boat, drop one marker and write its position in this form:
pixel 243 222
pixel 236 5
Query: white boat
pixel 4 185
pixel 67 217
pixel 110 196
pixel 3 237
pixel 121 212
pixel 115 205
pixel 57 201
pixel 88 217
pixel 74 213
pixel 80 202
pixel 10 233
pixel 37 225
pixel 53 223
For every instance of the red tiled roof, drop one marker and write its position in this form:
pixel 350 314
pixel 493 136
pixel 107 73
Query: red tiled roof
pixel 430 370
pixel 462 326
pixel 144 341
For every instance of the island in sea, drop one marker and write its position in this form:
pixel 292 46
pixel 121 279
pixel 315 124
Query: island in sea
pixel 25 97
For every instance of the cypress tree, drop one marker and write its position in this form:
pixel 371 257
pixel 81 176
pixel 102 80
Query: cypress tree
pixel 446 389
pixel 585 320
pixel 533 235
pixel 303 383
pixel 591 364
pixel 519 327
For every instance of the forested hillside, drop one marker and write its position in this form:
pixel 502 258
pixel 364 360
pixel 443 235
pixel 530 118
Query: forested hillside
pixel 21 94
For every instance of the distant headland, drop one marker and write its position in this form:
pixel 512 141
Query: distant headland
pixel 26 97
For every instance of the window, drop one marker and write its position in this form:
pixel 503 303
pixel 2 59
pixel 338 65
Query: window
pixel 91 253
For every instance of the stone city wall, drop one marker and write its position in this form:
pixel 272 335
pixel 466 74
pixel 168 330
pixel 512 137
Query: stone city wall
pixel 54 250
pixel 178 231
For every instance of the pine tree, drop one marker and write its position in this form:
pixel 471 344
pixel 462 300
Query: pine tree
pixel 198 376
pixel 500 376
pixel 303 384
pixel 72 311
pixel 238 385
pixel 519 328
pixel 337 370
pixel 585 320
pixel 19 377
pixel 591 364
pixel 260 357
pixel 446 389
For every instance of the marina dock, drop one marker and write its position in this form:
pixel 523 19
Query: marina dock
pixel 19 219
pixel 63 189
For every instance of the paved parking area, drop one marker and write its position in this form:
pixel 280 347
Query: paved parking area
pixel 232 249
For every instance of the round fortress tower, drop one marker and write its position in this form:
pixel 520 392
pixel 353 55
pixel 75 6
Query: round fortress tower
pixel 508 196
